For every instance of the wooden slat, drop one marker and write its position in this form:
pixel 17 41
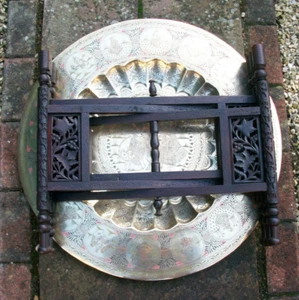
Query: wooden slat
pixel 163 192
pixel 128 184
pixel 141 118
pixel 225 149
pixel 119 108
pixel 242 99
pixel 198 111
pixel 85 143
pixel 158 176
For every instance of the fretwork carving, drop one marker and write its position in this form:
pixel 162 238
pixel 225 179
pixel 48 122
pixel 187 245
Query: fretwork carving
pixel 65 148
pixel 246 150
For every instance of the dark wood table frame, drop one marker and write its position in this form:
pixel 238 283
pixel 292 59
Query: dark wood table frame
pixel 245 148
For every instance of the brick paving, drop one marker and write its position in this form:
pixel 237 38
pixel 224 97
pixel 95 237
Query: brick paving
pixel 283 263
pixel 240 275
pixel 18 81
pixel 15 282
pixel 21 29
pixel 15 234
pixel 268 36
pixel 15 224
pixel 9 178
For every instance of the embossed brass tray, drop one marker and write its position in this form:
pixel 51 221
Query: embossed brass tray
pixel 123 237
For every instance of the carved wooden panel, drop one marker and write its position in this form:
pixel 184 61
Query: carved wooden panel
pixel 246 150
pixel 65 145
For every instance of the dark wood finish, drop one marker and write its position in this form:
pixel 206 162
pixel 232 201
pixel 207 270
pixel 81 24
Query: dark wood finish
pixel 64 147
pixel 190 115
pixel 158 176
pixel 224 150
pixel 154 129
pixel 210 187
pixel 163 100
pixel 260 88
pixel 196 112
pixel 132 184
pixel 85 161
pixel 155 154
pixel 245 148
pixel 44 204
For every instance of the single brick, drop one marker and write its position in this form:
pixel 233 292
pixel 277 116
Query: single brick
pixel 260 12
pixel 18 81
pixel 282 261
pixel 21 29
pixel 287 206
pixel 67 21
pixel 267 35
pixel 8 156
pixel 15 228
pixel 15 282
pixel 221 18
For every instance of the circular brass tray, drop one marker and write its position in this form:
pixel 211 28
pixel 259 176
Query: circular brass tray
pixel 124 238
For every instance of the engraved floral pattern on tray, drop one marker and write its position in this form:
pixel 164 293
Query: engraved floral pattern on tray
pixel 144 255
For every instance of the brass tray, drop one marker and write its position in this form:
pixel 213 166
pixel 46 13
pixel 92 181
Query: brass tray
pixel 124 238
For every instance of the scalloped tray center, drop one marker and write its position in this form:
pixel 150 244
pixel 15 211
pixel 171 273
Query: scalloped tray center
pixel 184 145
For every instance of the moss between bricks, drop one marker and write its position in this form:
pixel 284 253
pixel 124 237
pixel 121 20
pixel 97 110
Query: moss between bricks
pixel 140 9
pixel 261 266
